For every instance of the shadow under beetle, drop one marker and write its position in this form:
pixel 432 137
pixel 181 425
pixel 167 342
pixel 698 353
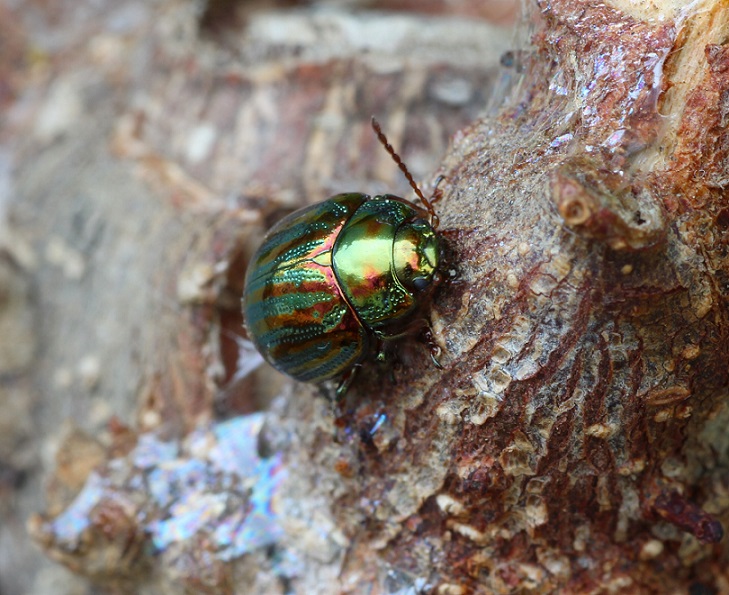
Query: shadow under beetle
pixel 335 280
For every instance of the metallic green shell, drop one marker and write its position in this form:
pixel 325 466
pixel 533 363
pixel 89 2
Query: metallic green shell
pixel 331 277
pixel 364 263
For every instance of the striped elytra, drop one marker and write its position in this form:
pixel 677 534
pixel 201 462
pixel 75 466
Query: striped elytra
pixel 332 281
pixel 294 311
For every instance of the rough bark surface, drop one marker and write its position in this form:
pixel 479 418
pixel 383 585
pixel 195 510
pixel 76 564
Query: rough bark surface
pixel 575 440
pixel 146 147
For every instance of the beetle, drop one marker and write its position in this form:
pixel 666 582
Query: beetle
pixel 334 281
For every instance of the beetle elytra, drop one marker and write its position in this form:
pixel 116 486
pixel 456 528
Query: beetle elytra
pixel 333 281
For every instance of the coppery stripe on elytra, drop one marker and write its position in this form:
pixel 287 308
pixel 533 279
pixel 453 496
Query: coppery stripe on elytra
pixel 317 314
pixel 282 281
pixel 340 359
pixel 323 321
pixel 324 316
pixel 303 241
pixel 324 221
pixel 296 336
pixel 322 356
pixel 308 248
pixel 324 227
pixel 290 257
pixel 312 277
pixel 289 304
pixel 306 272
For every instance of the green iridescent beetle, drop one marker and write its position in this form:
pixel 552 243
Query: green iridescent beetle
pixel 333 281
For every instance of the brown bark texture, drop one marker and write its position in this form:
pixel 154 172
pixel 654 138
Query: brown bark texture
pixel 575 440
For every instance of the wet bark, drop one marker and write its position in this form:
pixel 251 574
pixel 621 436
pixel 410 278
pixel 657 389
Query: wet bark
pixel 574 441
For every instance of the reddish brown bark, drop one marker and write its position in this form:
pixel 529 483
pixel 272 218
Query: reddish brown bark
pixel 587 328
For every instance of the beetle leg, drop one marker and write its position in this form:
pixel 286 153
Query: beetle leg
pixel 408 332
pixel 345 383
pixel 382 357
pixel 433 347
pixel 426 336
pixel 411 329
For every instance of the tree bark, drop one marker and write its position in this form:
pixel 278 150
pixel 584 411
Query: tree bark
pixel 575 440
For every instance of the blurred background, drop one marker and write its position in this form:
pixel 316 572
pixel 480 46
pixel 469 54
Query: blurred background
pixel 145 146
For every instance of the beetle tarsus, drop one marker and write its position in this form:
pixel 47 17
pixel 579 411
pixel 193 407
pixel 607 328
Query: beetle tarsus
pixel 433 347
pixel 344 385
pixel 435 353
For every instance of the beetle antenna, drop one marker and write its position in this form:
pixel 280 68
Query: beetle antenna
pixel 388 147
